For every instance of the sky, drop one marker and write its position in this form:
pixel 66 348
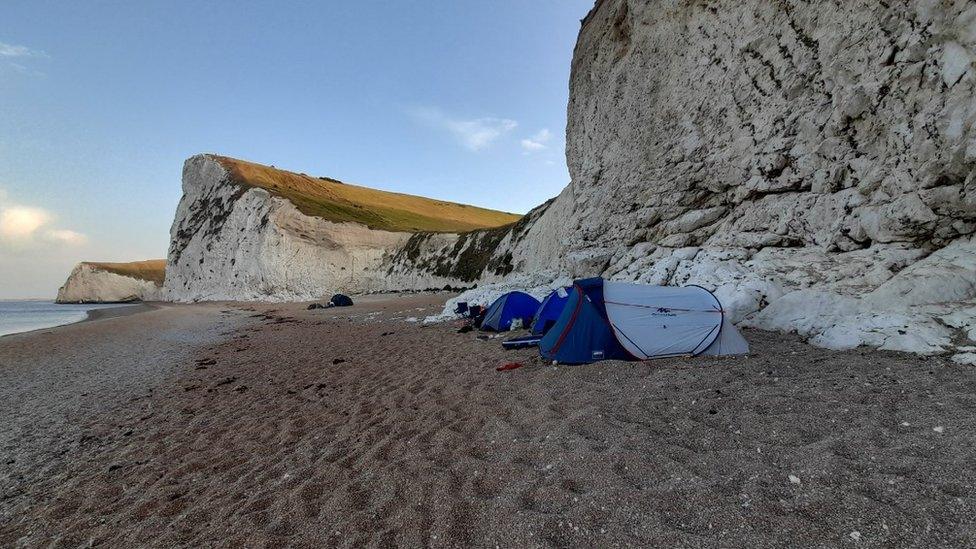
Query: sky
pixel 102 101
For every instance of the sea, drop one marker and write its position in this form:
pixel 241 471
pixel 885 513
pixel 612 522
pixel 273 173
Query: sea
pixel 27 315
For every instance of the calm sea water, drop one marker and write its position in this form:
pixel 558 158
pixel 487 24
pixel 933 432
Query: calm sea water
pixel 24 316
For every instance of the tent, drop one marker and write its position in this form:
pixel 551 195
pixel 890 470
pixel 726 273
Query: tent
pixel 543 319
pixel 340 300
pixel 605 320
pixel 507 308
pixel 582 332
pixel 549 311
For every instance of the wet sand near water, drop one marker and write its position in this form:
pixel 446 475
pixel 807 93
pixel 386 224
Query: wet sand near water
pixel 123 310
pixel 236 425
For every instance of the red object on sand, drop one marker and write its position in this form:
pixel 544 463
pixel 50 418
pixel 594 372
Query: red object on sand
pixel 509 366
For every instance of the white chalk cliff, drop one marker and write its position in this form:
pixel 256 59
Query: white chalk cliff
pixel 231 241
pixel 814 163
pixel 113 283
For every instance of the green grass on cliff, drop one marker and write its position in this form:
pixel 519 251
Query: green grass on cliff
pixel 153 270
pixel 340 202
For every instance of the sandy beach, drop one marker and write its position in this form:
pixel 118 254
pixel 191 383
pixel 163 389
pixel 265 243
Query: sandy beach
pixel 231 425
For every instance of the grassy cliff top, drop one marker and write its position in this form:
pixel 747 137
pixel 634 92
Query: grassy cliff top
pixel 153 270
pixel 383 210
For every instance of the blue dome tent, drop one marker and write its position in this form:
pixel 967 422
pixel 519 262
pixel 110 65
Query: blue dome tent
pixel 582 333
pixel 617 320
pixel 507 308
pixel 549 311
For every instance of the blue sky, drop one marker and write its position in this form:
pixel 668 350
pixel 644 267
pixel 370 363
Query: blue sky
pixel 101 101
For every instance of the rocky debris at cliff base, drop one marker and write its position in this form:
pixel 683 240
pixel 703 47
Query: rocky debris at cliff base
pixel 891 297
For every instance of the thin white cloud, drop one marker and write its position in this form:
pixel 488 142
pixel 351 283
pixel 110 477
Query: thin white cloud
pixel 66 236
pixel 538 141
pixel 476 134
pixel 27 226
pixel 13 50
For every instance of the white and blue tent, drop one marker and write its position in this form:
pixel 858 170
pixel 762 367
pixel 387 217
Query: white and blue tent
pixel 605 320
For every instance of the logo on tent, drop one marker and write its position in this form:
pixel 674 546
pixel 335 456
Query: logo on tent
pixel 663 311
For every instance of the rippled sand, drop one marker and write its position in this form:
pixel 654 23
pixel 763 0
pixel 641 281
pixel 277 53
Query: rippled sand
pixel 240 425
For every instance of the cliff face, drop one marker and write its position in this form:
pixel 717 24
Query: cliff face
pixel 813 162
pixel 243 238
pixel 113 282
pixel 810 162
pixel 471 257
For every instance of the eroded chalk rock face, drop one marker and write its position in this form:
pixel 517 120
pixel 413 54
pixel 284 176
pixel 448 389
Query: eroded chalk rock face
pixel 467 258
pixel 234 242
pixel 811 162
pixel 94 283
